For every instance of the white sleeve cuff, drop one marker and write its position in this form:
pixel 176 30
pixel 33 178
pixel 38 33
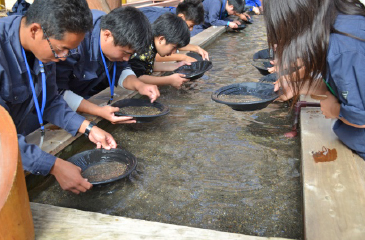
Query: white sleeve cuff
pixel 72 99
pixel 123 75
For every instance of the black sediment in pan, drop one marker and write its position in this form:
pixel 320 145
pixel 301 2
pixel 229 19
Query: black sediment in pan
pixel 195 70
pixel 101 166
pixel 246 96
pixel 140 105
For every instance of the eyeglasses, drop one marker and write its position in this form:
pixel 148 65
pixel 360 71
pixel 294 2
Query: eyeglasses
pixel 65 55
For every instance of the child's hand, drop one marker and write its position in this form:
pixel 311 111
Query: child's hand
pixel 107 112
pixel 182 63
pixel 203 53
pixel 233 25
pixel 177 80
pixel 256 10
pixel 244 16
pixel 150 91
pixel 330 106
pixel 287 90
pixel 272 69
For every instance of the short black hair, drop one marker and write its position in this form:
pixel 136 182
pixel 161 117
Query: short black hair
pixel 59 16
pixel 238 5
pixel 193 10
pixel 130 27
pixel 173 28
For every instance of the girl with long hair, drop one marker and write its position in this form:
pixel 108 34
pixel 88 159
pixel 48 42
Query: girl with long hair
pixel 320 49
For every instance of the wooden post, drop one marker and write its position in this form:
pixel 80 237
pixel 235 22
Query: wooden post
pixel 104 5
pixel 114 4
pixel 15 216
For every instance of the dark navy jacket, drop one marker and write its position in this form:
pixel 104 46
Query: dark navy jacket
pixel 346 76
pixel 16 96
pixel 20 8
pixel 215 14
pixel 84 73
pixel 152 13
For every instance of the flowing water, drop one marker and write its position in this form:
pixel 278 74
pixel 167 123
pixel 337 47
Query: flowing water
pixel 205 165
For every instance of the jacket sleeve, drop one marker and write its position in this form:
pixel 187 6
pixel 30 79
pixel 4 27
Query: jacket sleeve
pixel 125 71
pixel 35 160
pixel 57 111
pixel 348 73
pixel 213 14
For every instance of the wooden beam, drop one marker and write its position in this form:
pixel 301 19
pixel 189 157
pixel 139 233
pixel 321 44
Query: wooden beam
pixel 50 223
pixel 334 192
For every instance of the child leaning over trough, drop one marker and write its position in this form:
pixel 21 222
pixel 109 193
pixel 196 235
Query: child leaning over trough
pixel 192 12
pixel 170 32
pixel 216 13
pixel 29 47
pixel 101 62
pixel 323 39
pixel 254 6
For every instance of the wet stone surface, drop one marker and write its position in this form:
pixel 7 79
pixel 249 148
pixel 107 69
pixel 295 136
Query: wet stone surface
pixel 204 165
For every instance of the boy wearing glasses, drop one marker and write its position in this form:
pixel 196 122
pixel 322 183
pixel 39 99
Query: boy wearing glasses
pixel 28 47
pixel 101 62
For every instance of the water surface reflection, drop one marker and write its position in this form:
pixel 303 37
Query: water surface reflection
pixel 205 165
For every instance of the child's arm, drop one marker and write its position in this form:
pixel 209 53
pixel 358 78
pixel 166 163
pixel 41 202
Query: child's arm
pixel 79 104
pixel 175 80
pixel 331 107
pixel 244 16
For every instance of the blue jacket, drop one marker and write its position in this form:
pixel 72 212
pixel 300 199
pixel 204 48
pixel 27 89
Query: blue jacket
pixel 215 14
pixel 152 13
pixel 253 3
pixel 20 7
pixel 84 73
pixel 346 76
pixel 16 96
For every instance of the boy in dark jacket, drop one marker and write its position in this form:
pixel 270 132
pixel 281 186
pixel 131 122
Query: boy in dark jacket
pixel 29 46
pixel 102 62
pixel 216 13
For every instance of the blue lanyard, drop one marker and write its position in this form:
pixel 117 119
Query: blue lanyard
pixel 44 93
pixel 222 10
pixel 112 83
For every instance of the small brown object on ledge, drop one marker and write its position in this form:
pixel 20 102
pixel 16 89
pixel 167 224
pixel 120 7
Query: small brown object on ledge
pixel 327 155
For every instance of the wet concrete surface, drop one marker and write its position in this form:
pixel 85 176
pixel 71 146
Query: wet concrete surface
pixel 204 165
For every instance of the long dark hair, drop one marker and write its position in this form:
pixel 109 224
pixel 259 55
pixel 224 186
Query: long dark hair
pixel 301 30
